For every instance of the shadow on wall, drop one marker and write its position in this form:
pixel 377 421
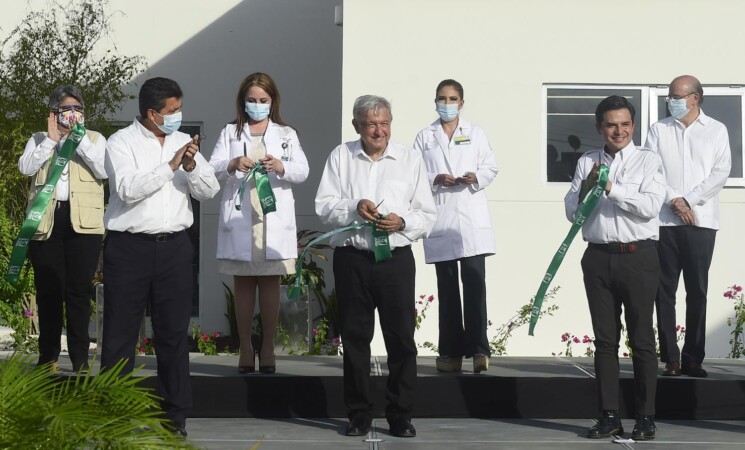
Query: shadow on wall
pixel 296 42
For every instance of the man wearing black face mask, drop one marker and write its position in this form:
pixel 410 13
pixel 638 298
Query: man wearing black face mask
pixel 153 169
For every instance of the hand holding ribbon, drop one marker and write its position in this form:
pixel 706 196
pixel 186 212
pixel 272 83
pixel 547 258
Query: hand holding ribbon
pixel 263 188
pixel 40 202
pixel 590 200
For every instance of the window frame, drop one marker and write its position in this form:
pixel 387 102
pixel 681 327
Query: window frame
pixel 646 116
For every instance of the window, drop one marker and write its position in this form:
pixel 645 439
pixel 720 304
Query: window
pixel 570 121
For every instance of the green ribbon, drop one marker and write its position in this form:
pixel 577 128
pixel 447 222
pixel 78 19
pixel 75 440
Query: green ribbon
pixel 589 203
pixel 263 189
pixel 381 249
pixel 40 202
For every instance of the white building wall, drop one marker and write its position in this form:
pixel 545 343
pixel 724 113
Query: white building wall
pixel 503 52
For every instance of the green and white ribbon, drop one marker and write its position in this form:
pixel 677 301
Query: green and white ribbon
pixel 263 189
pixel 589 203
pixel 39 205
pixel 381 249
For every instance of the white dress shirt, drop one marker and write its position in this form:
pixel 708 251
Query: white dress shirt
pixel 146 195
pixel 629 212
pixel 697 162
pixel 34 156
pixel 398 179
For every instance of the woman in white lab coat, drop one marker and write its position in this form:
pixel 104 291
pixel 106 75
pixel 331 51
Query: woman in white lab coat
pixel 256 248
pixel 460 165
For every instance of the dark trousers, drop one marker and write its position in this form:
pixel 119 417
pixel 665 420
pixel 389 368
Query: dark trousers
pixel 361 286
pixel 462 333
pixel 64 266
pixel 613 281
pixel 688 249
pixel 139 272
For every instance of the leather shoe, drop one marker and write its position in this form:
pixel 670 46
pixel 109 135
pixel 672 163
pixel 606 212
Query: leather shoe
pixel 403 428
pixel 358 426
pixel 644 429
pixel 449 363
pixel 609 424
pixel 693 370
pixel 178 430
pixel 672 369
pixel 480 363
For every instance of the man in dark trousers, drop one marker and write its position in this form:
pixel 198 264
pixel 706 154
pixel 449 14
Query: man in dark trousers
pixel 374 180
pixel 620 265
pixel 154 170
pixel 695 153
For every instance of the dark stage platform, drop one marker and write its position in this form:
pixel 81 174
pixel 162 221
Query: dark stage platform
pixel 513 387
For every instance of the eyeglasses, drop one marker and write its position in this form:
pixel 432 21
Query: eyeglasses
pixel 678 97
pixel 70 108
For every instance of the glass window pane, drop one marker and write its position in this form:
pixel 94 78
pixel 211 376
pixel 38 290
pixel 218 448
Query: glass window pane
pixel 571 126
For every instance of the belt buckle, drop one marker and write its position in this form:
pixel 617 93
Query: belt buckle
pixel 629 248
pixel 161 238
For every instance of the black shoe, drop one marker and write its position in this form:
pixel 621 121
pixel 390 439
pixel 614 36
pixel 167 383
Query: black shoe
pixel 672 369
pixel 82 369
pixel 403 428
pixel 609 424
pixel 178 430
pixel 693 370
pixel 644 429
pixel 359 426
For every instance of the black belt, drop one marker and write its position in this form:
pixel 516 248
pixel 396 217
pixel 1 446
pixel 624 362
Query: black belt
pixel 623 247
pixel 349 248
pixel 160 237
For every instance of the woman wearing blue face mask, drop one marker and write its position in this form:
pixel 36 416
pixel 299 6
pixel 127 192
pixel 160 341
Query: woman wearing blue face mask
pixel 460 165
pixel 65 249
pixel 253 247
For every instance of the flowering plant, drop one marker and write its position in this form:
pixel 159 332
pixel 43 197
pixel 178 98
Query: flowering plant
pixel 206 343
pixel 146 347
pixel 498 343
pixel 320 344
pixel 570 339
pixel 424 302
pixel 737 342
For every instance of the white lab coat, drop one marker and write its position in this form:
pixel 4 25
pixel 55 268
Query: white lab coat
pixel 463 226
pixel 234 238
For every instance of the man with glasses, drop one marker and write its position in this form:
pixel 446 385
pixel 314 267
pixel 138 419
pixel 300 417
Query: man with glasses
pixel 696 158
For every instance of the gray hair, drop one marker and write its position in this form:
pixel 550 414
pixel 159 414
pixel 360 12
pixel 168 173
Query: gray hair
pixel 62 92
pixel 366 103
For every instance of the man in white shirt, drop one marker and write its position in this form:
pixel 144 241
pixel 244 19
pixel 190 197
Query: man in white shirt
pixel 620 265
pixel 695 154
pixel 154 170
pixel 374 180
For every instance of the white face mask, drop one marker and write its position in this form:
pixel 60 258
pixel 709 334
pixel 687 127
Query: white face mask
pixel 258 111
pixel 171 122
pixel 447 111
pixel 678 108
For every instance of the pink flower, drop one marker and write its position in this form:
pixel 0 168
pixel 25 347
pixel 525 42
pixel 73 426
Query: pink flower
pixel 336 341
pixel 431 298
pixel 420 302
pixel 737 288
pixel 146 341
pixel 625 354
pixel 586 340
pixel 565 337
pixel 729 294
pixel 677 328
pixel 216 334
pixel 576 340
pixel 422 296
pixel 28 313
pixel 682 329
pixel 205 337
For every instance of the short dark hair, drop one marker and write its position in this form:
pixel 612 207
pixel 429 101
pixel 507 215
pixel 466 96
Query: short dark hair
pixel 450 82
pixel 155 91
pixel 612 103
pixel 62 92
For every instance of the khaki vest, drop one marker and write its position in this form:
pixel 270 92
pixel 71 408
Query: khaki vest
pixel 86 195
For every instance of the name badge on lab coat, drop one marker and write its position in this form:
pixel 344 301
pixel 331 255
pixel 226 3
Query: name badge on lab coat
pixel 462 140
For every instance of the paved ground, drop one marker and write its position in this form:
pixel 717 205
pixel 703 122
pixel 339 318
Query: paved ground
pixel 466 434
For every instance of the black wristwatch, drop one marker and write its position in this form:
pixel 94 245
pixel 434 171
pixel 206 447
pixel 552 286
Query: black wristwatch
pixel 403 224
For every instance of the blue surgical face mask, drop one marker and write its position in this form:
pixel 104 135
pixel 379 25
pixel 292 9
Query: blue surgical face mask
pixel 447 111
pixel 258 111
pixel 678 108
pixel 171 122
